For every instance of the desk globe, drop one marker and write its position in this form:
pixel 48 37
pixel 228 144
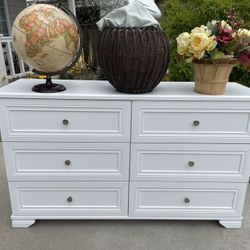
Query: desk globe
pixel 48 38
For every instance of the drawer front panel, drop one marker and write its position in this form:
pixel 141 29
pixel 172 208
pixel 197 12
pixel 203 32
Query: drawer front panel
pixel 186 199
pixel 156 122
pixel 83 199
pixel 191 162
pixel 100 121
pixel 67 161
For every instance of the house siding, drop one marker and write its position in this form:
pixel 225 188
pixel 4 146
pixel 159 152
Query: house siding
pixel 14 8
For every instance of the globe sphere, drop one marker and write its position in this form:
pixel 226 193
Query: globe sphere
pixel 45 37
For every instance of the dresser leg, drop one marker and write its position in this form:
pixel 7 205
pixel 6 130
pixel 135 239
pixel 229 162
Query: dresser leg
pixel 22 223
pixel 231 223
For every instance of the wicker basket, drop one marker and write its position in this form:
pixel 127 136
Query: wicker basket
pixel 211 76
pixel 134 60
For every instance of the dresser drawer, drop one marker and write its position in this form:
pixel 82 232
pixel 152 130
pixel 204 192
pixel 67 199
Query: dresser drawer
pixel 190 162
pixel 68 121
pixel 67 161
pixel 186 200
pixel 69 199
pixel 159 122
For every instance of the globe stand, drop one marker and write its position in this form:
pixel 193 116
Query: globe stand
pixel 48 87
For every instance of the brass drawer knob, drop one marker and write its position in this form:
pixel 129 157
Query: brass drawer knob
pixel 65 122
pixel 69 199
pixel 191 164
pixel 67 162
pixel 187 200
pixel 196 123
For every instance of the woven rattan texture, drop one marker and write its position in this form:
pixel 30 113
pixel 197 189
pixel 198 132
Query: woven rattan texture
pixel 134 60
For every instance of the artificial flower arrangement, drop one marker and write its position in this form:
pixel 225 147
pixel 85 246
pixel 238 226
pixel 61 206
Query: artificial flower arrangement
pixel 218 42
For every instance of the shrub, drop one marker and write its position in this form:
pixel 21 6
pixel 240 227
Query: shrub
pixel 183 15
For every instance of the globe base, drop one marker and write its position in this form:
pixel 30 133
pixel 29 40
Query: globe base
pixel 44 88
pixel 48 86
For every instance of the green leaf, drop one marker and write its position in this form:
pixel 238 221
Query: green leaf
pixel 232 47
pixel 216 54
pixel 244 48
pixel 211 27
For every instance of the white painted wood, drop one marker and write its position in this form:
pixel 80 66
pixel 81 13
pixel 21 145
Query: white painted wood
pixel 232 224
pixel 48 161
pixel 110 135
pixel 211 200
pixel 3 72
pixel 102 90
pixel 72 6
pixel 88 121
pixel 22 223
pixel 189 162
pixel 157 122
pixel 123 217
pixel 7 54
pixel 10 59
pixel 51 198
pixel 21 65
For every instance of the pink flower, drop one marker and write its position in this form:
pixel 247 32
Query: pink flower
pixel 244 58
pixel 225 36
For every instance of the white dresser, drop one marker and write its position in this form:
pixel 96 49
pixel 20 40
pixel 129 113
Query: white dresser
pixel 93 153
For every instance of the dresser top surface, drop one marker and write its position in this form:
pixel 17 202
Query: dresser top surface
pixel 102 90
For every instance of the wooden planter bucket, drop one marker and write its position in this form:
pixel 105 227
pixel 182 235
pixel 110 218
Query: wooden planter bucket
pixel 211 76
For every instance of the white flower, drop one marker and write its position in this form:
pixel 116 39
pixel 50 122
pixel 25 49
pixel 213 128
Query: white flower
pixel 202 29
pixel 199 42
pixel 225 25
pixel 211 43
pixel 183 43
pixel 214 22
pixel 243 33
